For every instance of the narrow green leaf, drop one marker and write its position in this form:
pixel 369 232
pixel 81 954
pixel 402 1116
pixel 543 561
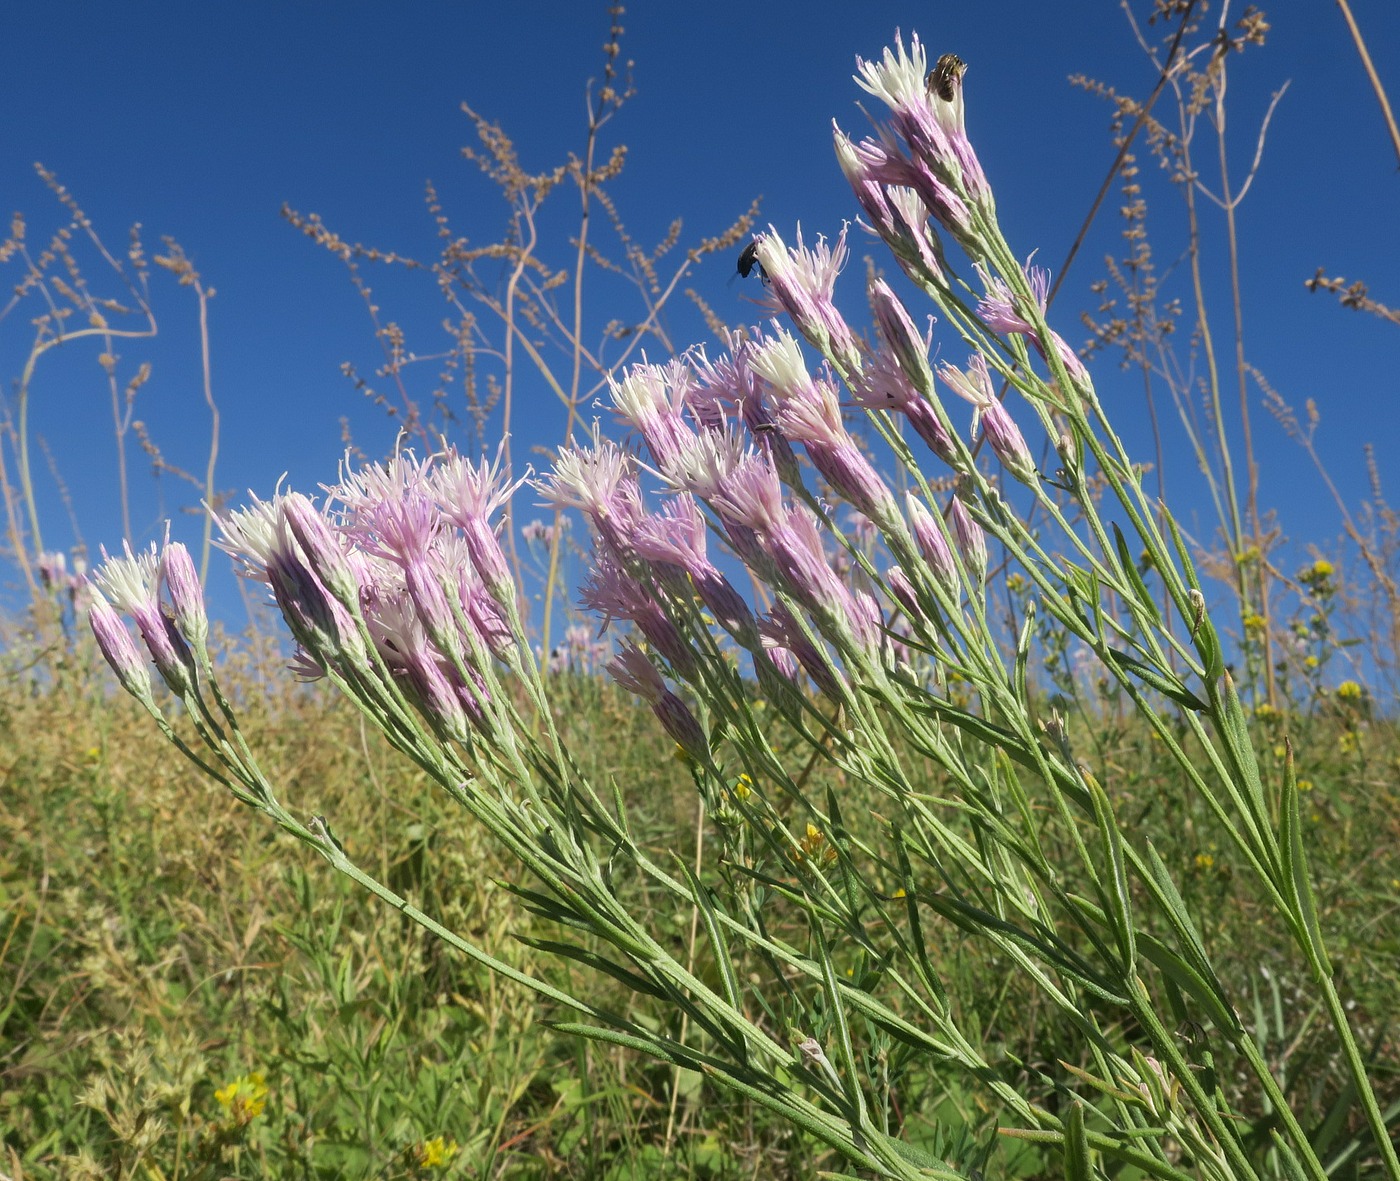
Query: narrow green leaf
pixel 1077 1167
pixel 728 979
pixel 1023 652
pixel 599 963
pixel 1130 571
pixel 1119 894
pixel 1292 1166
pixel 1155 678
pixel 1234 730
pixel 1295 859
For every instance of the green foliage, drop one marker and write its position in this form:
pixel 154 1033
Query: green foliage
pixel 158 944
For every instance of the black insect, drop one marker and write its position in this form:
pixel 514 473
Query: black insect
pixel 748 262
pixel 946 75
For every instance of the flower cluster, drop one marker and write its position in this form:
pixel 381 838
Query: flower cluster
pixel 244 1099
pixel 396 587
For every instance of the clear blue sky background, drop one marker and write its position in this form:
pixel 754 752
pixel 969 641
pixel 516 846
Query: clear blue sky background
pixel 200 120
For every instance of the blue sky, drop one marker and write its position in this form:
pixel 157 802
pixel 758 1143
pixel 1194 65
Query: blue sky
pixel 200 120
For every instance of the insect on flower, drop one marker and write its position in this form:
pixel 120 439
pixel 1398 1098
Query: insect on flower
pixel 945 76
pixel 748 260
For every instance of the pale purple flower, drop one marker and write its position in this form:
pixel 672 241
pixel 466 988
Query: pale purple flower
pixel 119 648
pixel 931 124
pixel 53 568
pixel 909 345
pixel 933 545
pixel 651 398
pixel 894 210
pixel 999 429
pixel 1001 312
pixel 801 283
pixel 678 536
pixel 131 584
pixel 538 532
pixel 249 535
pixel 903 591
pixel 601 480
pixel 186 595
pixel 972 542
pixel 631 669
pixel 469 495
pixel 307 606
pixel 322 544
pixel 809 411
pixel 614 593
pixel 785 641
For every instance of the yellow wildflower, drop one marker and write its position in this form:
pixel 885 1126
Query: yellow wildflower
pixel 1253 622
pixel 436 1153
pixel 244 1098
pixel 1349 691
pixel 1205 861
pixel 1305 785
pixel 743 787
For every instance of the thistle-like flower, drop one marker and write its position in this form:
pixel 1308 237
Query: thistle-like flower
pixel 631 669
pixel 801 283
pixel 998 427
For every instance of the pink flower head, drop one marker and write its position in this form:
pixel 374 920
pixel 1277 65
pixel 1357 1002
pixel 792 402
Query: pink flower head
pixel 402 527
pixel 784 639
pixel 801 283
pixel 469 495
pixel 903 591
pixel 119 648
pixel 972 542
pixel 933 545
pixel 131 584
pixel 928 113
pixel 881 183
pixel 186 595
pixel 601 480
pixel 677 536
pixel 998 427
pixel 908 345
pixel 613 592
pixel 249 535
pixel 631 669
pixel 1002 312
pixel 651 398
pixel 322 544
pixel 883 385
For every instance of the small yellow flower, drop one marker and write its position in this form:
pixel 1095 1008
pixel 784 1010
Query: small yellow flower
pixel 1348 742
pixel 1305 785
pixel 1264 711
pixel 1253 623
pixel 743 787
pixel 1349 691
pixel 1319 570
pixel 244 1098
pixel 1311 662
pixel 1205 861
pixel 436 1153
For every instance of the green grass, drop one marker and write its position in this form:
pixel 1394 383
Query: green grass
pixel 159 942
